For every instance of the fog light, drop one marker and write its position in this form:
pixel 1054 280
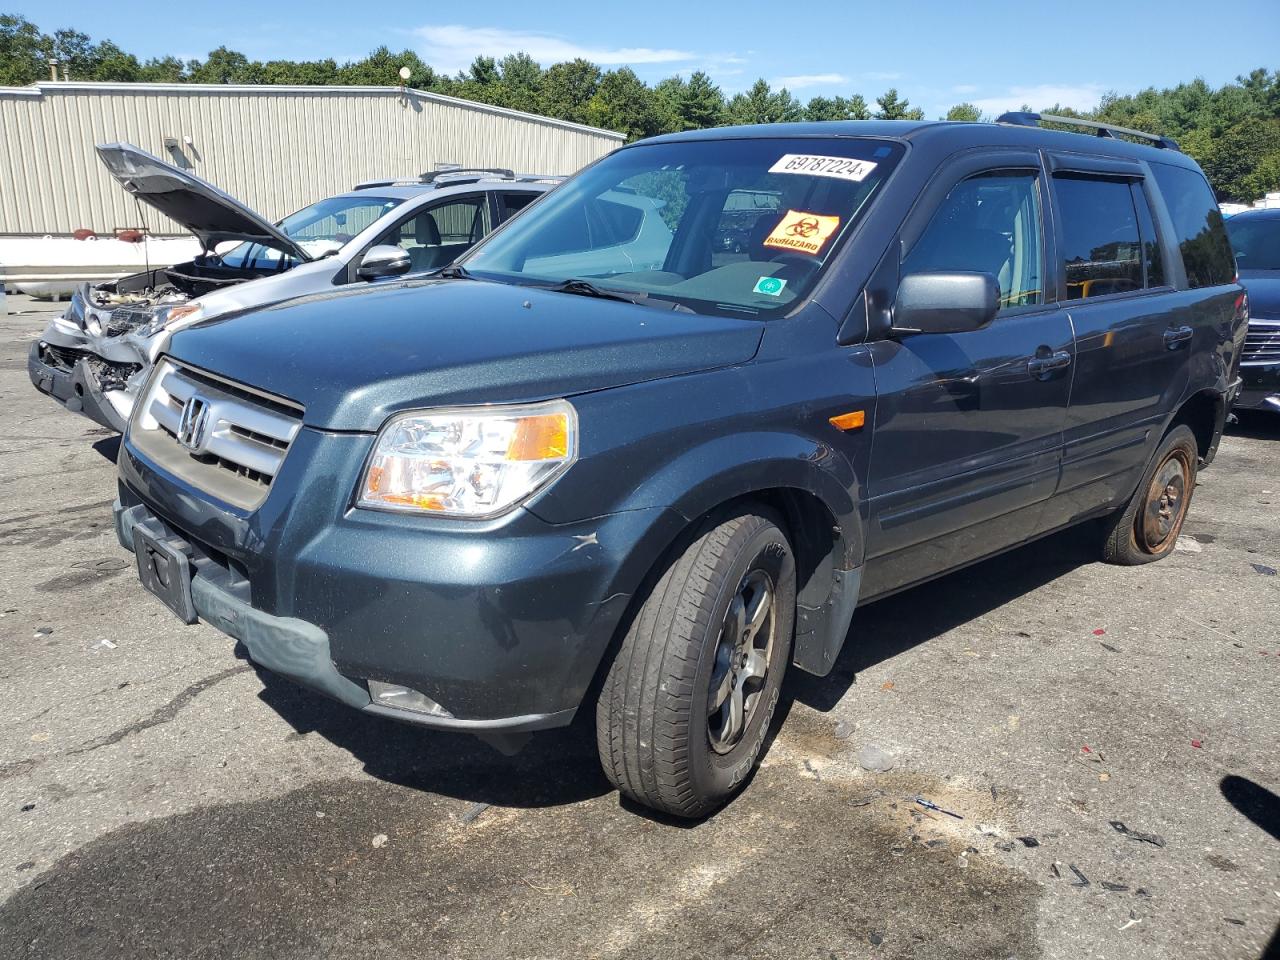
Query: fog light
pixel 405 698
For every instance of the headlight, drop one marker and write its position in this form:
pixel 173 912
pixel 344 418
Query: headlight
pixel 164 316
pixel 470 462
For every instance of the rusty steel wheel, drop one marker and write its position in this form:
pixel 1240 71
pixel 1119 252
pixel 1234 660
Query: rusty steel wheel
pixel 1148 527
pixel 1167 497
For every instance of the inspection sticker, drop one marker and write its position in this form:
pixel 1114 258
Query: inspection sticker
pixel 841 168
pixel 769 286
pixel 803 232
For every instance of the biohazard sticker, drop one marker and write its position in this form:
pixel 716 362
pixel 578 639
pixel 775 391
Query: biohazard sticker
pixel 803 232
pixel 841 168
pixel 770 286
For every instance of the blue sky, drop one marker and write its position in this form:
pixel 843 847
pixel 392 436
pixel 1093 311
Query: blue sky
pixel 995 53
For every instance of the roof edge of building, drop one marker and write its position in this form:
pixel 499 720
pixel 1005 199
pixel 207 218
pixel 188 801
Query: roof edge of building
pixel 45 87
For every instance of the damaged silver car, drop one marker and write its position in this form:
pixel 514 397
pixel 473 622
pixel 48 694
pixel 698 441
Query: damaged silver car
pixel 95 357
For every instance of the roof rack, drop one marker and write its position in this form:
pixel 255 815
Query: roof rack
pixel 450 178
pixel 1024 119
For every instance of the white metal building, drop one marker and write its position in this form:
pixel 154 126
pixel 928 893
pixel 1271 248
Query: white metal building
pixel 275 148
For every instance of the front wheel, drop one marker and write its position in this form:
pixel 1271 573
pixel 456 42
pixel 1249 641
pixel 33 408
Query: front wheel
pixel 685 709
pixel 1147 528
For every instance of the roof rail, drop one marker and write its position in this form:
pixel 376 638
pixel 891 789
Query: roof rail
pixel 1019 118
pixel 454 175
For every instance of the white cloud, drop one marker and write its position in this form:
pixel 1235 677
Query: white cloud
pixel 452 48
pixel 802 80
pixel 1041 97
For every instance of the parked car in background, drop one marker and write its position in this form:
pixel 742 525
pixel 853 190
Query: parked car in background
pixel 560 476
pixel 1255 236
pixel 95 356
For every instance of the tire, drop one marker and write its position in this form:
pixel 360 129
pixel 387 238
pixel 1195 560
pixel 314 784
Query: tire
pixel 1147 528
pixel 660 742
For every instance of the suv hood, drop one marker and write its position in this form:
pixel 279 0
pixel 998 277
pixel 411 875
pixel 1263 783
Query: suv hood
pixel 211 215
pixel 1263 287
pixel 352 359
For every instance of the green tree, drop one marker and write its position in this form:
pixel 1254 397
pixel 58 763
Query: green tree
pixel 964 111
pixel 1235 155
pixel 23 52
pixel 693 104
pixel 520 83
pixel 224 66
pixel 624 103
pixel 163 70
pixel 568 87
pixel 761 104
pixel 837 108
pixel 893 107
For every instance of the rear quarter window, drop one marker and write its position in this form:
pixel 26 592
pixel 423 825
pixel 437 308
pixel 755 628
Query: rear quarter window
pixel 1197 225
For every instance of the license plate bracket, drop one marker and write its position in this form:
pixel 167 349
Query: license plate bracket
pixel 165 570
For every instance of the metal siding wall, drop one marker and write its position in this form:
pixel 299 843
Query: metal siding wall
pixel 276 150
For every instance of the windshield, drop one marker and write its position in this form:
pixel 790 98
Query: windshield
pixel 1256 241
pixel 740 227
pixel 319 229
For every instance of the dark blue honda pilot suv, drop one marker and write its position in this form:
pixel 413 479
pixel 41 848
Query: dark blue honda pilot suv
pixel 649 445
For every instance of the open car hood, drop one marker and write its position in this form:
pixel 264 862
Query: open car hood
pixel 211 215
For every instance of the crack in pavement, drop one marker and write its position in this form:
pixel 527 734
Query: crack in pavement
pixel 162 715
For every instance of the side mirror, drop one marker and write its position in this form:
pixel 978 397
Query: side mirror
pixel 945 303
pixel 384 260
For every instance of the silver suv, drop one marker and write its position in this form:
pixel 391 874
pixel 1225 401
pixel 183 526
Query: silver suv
pixel 95 357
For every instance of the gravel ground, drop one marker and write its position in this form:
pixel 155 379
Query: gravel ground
pixel 158 797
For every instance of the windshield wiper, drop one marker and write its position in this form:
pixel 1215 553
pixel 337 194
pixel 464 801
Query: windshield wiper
pixel 454 271
pixel 585 288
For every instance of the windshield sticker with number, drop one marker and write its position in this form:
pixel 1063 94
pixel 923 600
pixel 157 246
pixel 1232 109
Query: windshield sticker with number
pixel 841 168
pixel 803 232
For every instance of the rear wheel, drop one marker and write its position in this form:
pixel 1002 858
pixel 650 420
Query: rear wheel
pixel 688 701
pixel 1148 527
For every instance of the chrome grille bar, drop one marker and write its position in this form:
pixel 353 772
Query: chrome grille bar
pixel 222 438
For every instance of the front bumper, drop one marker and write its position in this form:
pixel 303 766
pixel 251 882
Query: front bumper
pixel 1261 390
pixel 503 623
pixel 73 385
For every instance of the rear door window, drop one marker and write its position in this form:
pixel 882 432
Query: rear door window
pixel 511 202
pixel 1197 226
pixel 1101 244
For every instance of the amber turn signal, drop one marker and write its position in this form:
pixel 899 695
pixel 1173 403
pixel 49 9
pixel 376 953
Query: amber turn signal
pixel 853 420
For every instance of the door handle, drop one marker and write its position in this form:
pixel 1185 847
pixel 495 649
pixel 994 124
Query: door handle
pixel 1175 337
pixel 1041 367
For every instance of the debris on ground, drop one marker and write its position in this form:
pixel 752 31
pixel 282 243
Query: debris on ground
pixel 43 632
pixel 1153 838
pixel 887 685
pixel 1099 632
pixel 1237 922
pixel 380 840
pixel 1057 874
pixel 875 937
pixel 930 805
pixel 866 800
pixel 1081 880
pixel 876 759
pixel 1264 569
pixel 104 642
pixel 1115 887
pixel 1197 744
pixel 844 730
pixel 28 807
pixel 1029 841
pixel 1187 545
pixel 1109 647
pixel 1133 920
pixel 474 811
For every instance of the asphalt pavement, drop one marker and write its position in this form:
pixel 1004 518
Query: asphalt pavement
pixel 161 798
